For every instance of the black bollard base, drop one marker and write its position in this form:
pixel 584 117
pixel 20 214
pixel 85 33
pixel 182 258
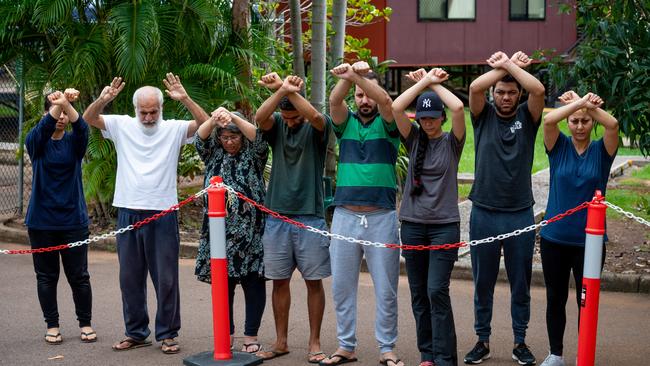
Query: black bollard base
pixel 207 359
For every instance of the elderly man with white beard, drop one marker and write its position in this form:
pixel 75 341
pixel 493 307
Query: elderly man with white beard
pixel 147 158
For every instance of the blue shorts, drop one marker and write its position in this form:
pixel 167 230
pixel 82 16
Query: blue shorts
pixel 287 247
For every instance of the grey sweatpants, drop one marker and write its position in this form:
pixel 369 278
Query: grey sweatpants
pixel 383 264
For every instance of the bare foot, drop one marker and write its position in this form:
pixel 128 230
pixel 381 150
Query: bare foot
pixel 251 345
pixel 53 336
pixel 88 335
pixel 390 359
pixel 338 356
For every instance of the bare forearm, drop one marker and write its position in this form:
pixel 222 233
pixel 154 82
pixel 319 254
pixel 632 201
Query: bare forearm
pixel 340 91
pixel 265 111
pixel 206 128
pixel 605 119
pixel 403 101
pixel 92 114
pixel 374 91
pixel 451 101
pixel 485 81
pixel 72 113
pixel 307 110
pixel 198 114
pixel 555 116
pixel 247 128
pixel 527 81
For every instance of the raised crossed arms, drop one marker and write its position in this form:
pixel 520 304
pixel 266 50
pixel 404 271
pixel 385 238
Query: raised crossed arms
pixel 592 104
pixel 61 102
pixel 350 75
pixel 431 80
pixel 289 87
pixel 502 65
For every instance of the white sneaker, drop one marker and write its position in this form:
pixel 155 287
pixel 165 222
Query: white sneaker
pixel 553 360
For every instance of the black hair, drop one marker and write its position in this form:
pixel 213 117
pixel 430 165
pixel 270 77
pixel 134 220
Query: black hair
pixel 510 79
pixel 286 105
pixel 420 153
pixel 47 104
pixel 371 75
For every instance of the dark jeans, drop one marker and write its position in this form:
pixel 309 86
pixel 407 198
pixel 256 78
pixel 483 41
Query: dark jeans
pixel 153 248
pixel 558 260
pixel 486 258
pixel 254 288
pixel 429 273
pixel 75 266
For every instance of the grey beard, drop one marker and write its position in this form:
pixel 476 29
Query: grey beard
pixel 149 130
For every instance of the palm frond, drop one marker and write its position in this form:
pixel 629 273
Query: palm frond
pixel 136 29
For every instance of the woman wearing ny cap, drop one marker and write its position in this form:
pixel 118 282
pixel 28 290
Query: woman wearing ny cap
pixel 233 148
pixel 429 210
pixel 578 167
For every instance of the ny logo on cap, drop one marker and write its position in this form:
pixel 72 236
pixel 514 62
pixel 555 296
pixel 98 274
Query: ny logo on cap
pixel 426 103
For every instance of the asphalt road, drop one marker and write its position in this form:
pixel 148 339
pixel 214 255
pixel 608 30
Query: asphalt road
pixel 623 331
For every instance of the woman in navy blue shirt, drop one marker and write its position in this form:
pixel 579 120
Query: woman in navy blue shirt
pixel 578 167
pixel 57 211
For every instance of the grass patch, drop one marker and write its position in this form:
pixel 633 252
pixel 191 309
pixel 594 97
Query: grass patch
pixel 463 191
pixel 540 161
pixel 630 201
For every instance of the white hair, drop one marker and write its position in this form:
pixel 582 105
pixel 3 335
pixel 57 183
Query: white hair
pixel 147 90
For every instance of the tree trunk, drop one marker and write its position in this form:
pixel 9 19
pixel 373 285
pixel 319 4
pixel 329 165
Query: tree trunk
pixel 318 53
pixel 337 47
pixel 338 25
pixel 240 26
pixel 296 39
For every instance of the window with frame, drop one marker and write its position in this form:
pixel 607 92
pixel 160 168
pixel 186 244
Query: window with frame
pixel 446 10
pixel 527 9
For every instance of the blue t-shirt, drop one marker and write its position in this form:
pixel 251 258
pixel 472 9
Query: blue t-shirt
pixel 573 180
pixel 57 200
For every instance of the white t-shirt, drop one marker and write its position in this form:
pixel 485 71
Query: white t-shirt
pixel 146 164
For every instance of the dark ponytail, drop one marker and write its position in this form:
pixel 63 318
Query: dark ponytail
pixel 420 154
pixel 423 142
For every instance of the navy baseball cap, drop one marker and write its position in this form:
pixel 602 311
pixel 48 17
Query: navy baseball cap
pixel 429 105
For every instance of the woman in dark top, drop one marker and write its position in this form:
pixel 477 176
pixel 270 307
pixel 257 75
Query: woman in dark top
pixel 578 167
pixel 236 151
pixel 57 211
pixel 429 211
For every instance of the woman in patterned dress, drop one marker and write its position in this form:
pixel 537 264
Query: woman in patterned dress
pixel 233 148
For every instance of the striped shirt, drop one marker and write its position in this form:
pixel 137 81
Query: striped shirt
pixel 367 155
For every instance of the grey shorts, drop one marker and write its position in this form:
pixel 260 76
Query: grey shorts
pixel 287 247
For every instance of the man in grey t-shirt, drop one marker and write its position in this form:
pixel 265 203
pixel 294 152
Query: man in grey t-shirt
pixel 502 199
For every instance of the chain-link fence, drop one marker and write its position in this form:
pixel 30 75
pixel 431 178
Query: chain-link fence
pixel 14 183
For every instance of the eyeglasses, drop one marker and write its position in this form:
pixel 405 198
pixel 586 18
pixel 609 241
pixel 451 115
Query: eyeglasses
pixel 229 138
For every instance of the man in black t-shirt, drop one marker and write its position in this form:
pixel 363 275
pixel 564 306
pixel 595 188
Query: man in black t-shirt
pixel 502 198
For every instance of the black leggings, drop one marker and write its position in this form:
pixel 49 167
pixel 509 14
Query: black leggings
pixel 254 288
pixel 558 260
pixel 75 266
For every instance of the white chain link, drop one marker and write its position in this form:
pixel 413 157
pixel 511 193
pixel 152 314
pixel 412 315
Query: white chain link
pixel 113 233
pixel 328 234
pixel 629 215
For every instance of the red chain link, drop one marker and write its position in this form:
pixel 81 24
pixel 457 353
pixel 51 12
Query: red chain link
pixel 276 215
pixel 408 246
pixel 137 225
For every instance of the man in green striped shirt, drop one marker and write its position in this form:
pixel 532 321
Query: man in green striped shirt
pixel 365 209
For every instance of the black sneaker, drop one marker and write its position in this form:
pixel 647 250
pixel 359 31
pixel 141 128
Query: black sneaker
pixel 479 353
pixel 522 354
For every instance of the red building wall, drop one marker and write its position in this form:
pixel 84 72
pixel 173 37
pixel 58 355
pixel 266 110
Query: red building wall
pixel 413 43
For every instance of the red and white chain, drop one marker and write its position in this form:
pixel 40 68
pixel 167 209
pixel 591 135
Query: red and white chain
pixel 113 233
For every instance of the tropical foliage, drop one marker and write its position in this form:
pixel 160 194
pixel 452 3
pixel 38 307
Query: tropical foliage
pixel 612 59
pixel 84 43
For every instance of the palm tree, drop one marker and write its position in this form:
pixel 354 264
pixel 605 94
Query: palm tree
pixel 83 43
